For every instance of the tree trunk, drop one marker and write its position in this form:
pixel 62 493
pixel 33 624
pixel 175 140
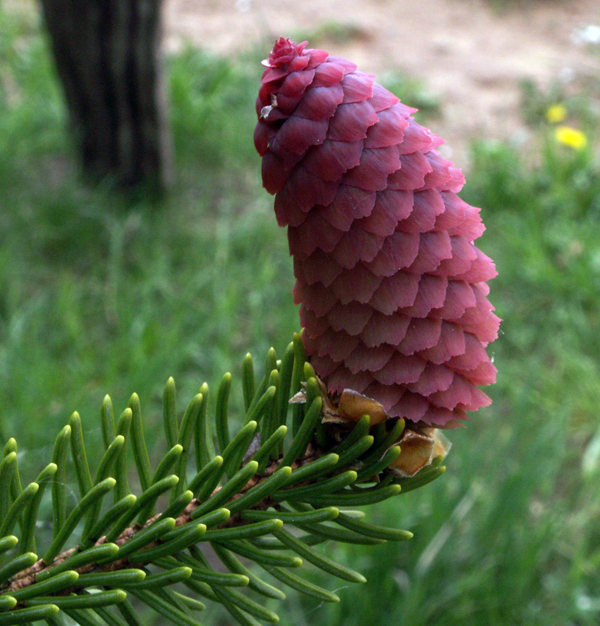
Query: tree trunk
pixel 108 59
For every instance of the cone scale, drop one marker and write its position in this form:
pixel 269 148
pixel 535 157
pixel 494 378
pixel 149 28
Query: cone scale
pixel 392 289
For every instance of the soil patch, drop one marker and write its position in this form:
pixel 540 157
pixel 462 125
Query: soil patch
pixel 466 51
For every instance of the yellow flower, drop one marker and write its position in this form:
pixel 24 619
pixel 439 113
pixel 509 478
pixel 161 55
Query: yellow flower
pixel 556 113
pixel 568 136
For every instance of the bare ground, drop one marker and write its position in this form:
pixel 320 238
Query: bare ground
pixel 466 51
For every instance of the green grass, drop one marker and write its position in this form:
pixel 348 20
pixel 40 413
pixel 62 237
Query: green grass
pixel 97 296
pixel 100 296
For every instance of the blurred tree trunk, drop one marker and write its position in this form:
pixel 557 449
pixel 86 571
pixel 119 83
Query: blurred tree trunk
pixel 108 59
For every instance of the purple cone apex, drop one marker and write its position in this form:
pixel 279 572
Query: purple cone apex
pixel 392 289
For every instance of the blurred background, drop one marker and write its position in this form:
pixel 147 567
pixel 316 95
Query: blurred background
pixel 120 267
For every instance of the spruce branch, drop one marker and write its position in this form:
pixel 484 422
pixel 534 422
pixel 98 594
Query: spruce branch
pixel 269 496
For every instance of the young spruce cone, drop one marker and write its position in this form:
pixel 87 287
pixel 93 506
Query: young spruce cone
pixel 392 290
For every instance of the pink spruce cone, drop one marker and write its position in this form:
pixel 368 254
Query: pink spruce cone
pixel 392 290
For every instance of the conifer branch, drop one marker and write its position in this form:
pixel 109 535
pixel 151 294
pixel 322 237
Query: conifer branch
pixel 35 572
pixel 240 501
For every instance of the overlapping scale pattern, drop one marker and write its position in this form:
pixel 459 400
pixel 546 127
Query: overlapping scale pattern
pixel 392 289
